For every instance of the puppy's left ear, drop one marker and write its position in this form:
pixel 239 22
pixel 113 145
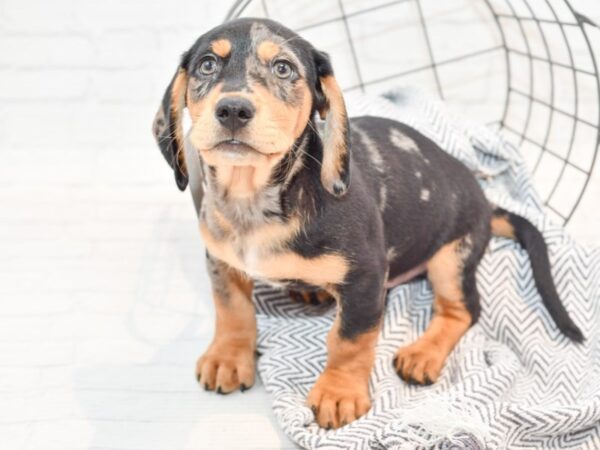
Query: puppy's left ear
pixel 335 169
pixel 167 127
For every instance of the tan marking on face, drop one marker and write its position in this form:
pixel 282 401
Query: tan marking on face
pixel 267 50
pixel 242 177
pixel 272 133
pixel 444 270
pixel 275 125
pixel 229 361
pixel 257 258
pixel 202 114
pixel 334 145
pixel 423 360
pixel 289 120
pixel 221 47
pixel 341 393
pixel 502 227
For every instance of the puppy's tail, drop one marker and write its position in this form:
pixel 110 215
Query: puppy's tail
pixel 510 225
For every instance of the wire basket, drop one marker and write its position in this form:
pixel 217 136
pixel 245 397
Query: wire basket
pixel 527 67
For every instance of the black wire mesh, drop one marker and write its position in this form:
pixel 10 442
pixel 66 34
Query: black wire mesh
pixel 536 59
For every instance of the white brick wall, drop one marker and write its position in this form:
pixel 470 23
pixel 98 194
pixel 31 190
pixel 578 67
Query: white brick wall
pixel 82 71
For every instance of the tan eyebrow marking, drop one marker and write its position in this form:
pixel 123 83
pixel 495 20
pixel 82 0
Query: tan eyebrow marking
pixel 267 50
pixel 221 47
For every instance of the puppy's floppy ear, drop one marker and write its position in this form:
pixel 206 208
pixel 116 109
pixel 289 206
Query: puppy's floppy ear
pixel 335 170
pixel 167 127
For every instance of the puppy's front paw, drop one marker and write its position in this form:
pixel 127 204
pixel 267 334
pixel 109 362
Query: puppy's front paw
pixel 420 362
pixel 338 398
pixel 226 366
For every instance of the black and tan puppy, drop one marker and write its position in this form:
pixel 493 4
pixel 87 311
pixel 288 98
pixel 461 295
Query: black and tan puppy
pixel 344 211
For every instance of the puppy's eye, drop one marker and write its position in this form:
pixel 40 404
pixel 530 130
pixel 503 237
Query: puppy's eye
pixel 282 69
pixel 208 65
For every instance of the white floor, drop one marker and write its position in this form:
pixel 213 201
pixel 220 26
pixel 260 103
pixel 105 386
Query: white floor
pixel 104 300
pixel 104 309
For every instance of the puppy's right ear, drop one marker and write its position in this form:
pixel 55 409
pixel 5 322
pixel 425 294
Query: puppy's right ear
pixel 167 127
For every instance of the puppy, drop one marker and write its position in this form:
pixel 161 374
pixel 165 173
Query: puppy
pixel 345 210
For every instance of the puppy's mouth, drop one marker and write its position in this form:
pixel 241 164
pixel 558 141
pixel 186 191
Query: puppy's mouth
pixel 235 148
pixel 233 152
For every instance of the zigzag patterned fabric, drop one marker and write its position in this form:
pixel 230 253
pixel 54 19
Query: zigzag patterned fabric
pixel 512 382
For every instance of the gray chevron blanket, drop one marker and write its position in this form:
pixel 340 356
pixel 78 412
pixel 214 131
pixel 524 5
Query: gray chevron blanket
pixel 512 382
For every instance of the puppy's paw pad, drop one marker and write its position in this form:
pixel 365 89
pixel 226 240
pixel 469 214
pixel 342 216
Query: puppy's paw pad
pixel 420 363
pixel 338 398
pixel 225 368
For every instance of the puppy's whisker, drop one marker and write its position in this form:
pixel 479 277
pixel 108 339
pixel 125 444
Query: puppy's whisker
pixel 304 152
pixel 309 123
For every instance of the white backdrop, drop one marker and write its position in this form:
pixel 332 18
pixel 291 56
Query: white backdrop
pixel 104 301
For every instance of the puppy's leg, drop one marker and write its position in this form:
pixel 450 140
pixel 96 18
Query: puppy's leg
pixel 456 306
pixel 228 363
pixel 315 298
pixel 341 393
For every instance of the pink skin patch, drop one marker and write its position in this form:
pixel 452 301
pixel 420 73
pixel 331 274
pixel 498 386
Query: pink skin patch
pixel 406 276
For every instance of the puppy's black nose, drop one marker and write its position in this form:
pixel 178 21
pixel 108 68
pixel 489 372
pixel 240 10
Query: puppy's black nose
pixel 234 112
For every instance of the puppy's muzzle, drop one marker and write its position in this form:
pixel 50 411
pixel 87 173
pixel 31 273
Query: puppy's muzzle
pixel 234 113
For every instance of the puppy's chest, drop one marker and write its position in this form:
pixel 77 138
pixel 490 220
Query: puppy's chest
pixel 265 254
pixel 252 258
pixel 237 251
